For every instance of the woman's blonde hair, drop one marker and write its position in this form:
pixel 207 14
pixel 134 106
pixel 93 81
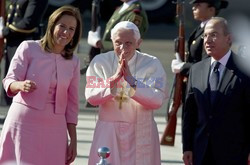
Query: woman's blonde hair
pixel 48 42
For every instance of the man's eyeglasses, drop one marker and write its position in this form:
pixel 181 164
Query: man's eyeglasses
pixel 213 36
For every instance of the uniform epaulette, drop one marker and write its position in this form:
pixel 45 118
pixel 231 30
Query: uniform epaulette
pixel 137 17
pixel 137 20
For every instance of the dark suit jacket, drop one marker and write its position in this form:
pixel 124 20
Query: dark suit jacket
pixel 226 124
pixel 23 18
pixel 22 23
pixel 195 50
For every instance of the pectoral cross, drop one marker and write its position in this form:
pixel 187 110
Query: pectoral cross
pixel 121 98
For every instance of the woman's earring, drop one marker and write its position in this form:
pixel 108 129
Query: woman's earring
pixel 71 42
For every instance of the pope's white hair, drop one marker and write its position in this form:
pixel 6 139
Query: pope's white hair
pixel 128 26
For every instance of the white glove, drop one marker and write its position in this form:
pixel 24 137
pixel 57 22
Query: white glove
pixel 177 64
pixel 94 37
pixel 1 27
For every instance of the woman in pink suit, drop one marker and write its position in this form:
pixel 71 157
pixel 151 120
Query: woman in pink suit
pixel 43 80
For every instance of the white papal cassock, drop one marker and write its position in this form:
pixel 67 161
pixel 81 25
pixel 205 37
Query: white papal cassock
pixel 130 132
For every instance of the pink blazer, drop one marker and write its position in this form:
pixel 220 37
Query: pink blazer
pixel 30 62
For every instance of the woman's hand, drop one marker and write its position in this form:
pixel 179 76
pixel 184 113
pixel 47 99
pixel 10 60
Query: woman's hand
pixel 27 86
pixel 23 86
pixel 71 152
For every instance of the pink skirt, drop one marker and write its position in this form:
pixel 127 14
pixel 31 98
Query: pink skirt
pixel 33 137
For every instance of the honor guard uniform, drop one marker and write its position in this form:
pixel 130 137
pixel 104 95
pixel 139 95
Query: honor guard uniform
pixel 195 51
pixel 22 23
pixel 203 11
pixel 132 11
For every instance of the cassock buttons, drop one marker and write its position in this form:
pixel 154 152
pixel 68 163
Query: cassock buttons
pixel 194 42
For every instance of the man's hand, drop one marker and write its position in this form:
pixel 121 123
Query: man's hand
pixel 1 27
pixel 118 74
pixel 188 157
pixel 177 64
pixel 126 72
pixel 94 38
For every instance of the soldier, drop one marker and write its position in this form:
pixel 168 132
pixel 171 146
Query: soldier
pixel 22 23
pixel 203 11
pixel 132 11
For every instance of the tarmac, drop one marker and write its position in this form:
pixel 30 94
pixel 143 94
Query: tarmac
pixel 159 44
pixel 85 129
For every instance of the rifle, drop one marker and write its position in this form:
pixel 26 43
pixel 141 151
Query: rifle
pixel 168 137
pixel 2 18
pixel 95 21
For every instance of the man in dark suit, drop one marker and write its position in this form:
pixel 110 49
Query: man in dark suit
pixel 22 23
pixel 216 125
pixel 203 10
